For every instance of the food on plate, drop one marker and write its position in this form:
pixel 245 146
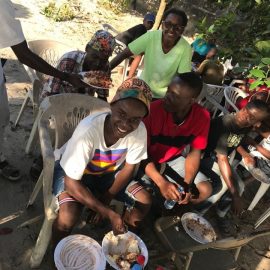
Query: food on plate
pixel 201 229
pixel 123 250
pixel 97 78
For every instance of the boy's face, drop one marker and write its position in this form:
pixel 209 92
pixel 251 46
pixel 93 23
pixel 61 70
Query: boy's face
pixel 96 60
pixel 148 24
pixel 126 116
pixel 249 117
pixel 178 97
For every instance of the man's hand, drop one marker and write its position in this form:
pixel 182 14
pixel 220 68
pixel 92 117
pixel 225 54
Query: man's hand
pixel 118 225
pixel 186 199
pixel 237 204
pixel 169 191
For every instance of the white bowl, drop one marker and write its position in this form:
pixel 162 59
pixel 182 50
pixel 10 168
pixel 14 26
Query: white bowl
pixel 106 243
pixel 79 252
pixel 198 235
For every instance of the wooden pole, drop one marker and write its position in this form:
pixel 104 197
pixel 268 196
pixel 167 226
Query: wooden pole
pixel 162 7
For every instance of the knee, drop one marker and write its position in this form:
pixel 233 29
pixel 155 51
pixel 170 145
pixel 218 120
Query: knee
pixel 65 223
pixel 67 218
pixel 205 190
pixel 142 196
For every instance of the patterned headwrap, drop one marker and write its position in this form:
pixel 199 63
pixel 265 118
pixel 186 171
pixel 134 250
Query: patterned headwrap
pixel 102 41
pixel 134 88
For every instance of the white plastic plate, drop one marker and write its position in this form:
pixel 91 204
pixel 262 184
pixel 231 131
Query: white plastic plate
pixel 106 243
pixel 202 232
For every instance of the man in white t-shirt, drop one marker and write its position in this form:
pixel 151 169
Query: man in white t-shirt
pixel 11 35
pixel 100 159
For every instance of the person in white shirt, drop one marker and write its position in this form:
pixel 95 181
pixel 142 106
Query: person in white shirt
pixel 100 159
pixel 11 35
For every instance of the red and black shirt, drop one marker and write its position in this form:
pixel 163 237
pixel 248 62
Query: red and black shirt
pixel 166 140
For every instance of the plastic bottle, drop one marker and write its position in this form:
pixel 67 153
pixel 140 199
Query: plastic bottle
pixel 136 266
pixel 169 204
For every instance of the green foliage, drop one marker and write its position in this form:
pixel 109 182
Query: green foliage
pixel 117 6
pixel 260 74
pixel 62 13
pixel 242 30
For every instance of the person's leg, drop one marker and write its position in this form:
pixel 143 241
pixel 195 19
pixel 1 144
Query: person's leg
pixel 68 215
pixel 6 169
pixel 69 208
pixel 143 200
pixel 205 189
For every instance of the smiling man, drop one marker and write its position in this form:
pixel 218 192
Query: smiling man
pixel 100 158
pixel 166 52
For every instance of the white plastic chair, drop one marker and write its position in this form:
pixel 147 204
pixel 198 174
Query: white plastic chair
pixel 180 246
pixel 262 218
pixel 231 95
pixel 120 46
pixel 215 92
pixel 261 191
pixel 236 81
pixel 65 111
pixel 50 51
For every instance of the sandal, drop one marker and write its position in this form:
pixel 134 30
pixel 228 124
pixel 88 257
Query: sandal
pixel 9 172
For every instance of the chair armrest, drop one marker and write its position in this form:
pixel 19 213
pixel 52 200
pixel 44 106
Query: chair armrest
pixel 47 152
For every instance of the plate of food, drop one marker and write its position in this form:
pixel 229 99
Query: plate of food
pixel 124 249
pixel 97 79
pixel 79 252
pixel 198 228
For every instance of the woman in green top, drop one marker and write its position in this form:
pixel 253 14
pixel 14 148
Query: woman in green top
pixel 166 52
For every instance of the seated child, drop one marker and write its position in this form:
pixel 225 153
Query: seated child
pixel 95 58
pixel 100 158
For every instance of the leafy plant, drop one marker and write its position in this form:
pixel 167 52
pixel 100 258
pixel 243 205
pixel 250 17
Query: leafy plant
pixel 260 74
pixel 242 30
pixel 62 13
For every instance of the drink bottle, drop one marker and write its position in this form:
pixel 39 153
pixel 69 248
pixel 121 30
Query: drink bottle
pixel 169 204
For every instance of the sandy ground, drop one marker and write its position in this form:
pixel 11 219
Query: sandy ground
pixel 15 248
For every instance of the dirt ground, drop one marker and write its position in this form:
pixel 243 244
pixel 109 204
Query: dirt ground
pixel 16 247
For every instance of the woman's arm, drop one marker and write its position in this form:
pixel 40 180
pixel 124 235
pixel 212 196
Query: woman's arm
pixel 134 65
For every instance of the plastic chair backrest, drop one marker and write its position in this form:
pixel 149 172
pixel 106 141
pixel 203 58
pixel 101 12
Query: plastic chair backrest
pixel 63 113
pixel 211 98
pixel 50 50
pixel 231 95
